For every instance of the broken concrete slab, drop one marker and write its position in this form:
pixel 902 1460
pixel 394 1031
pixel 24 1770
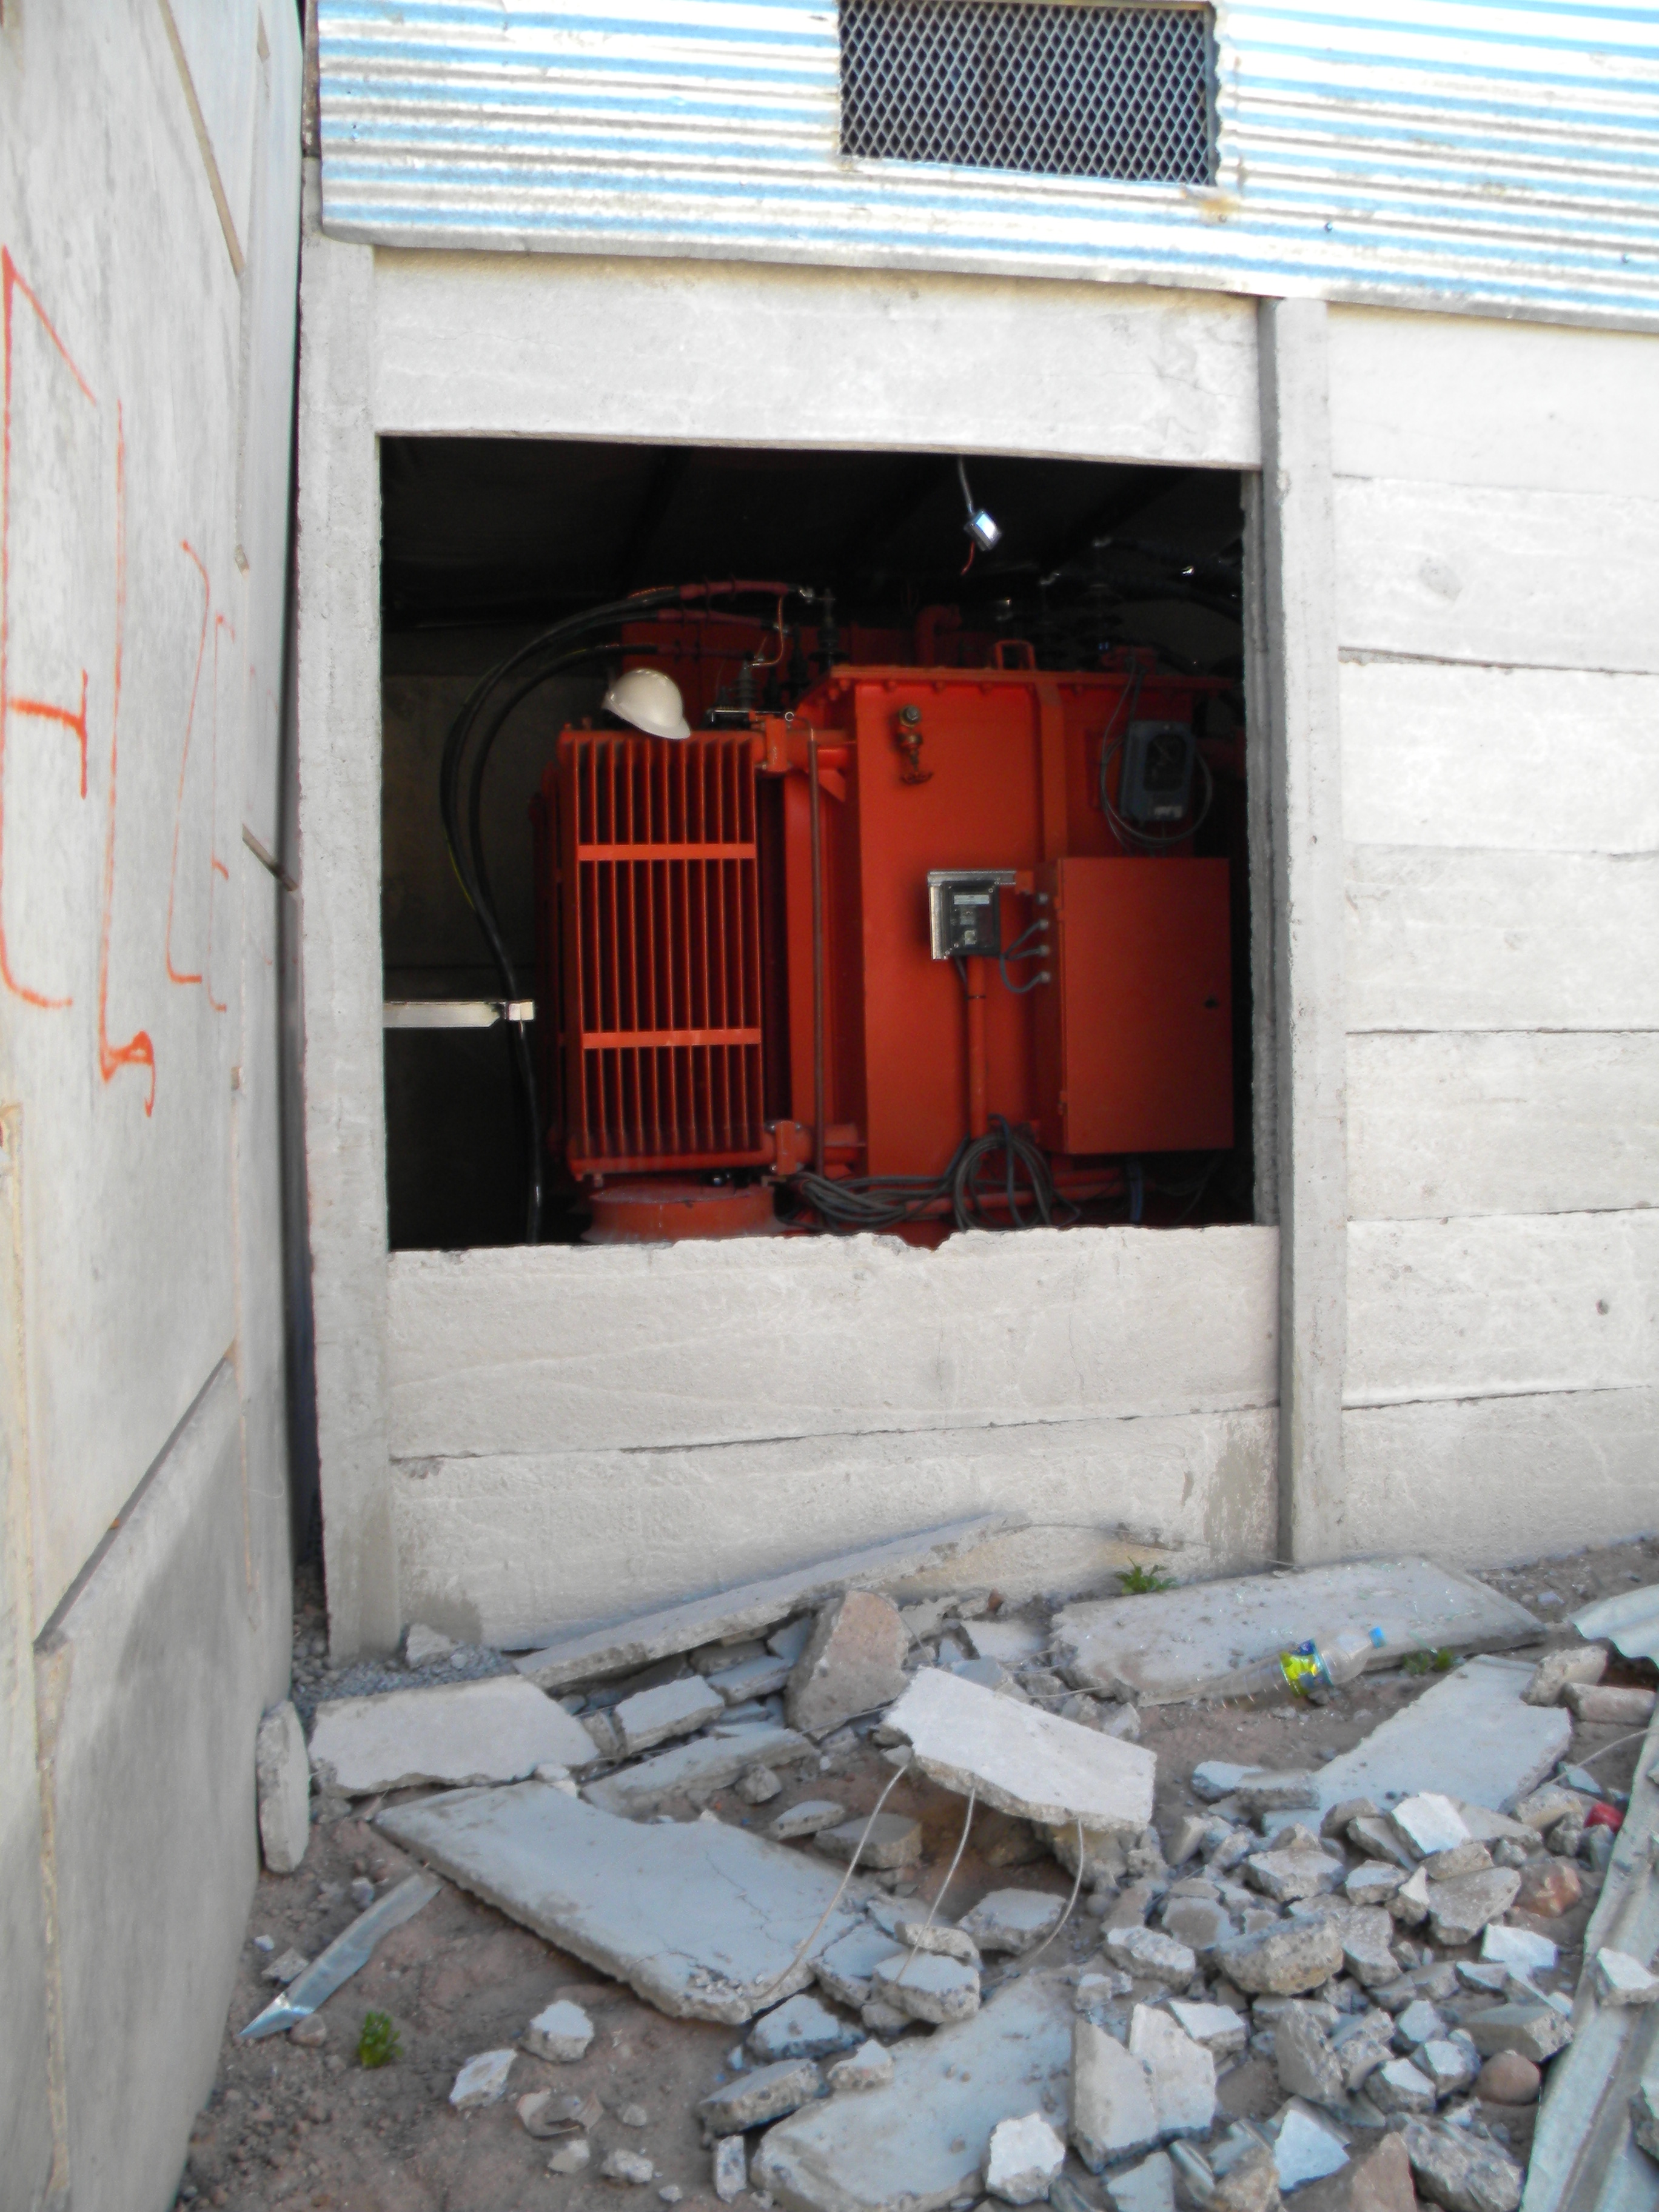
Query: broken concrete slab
pixel 1620 1979
pixel 917 1933
pixel 1286 1959
pixel 759 1677
pixel 282 1773
pixel 653 1717
pixel 1010 1640
pixel 1211 1639
pixel 1217 2027
pixel 1470 1738
pixel 1254 1789
pixel 731 2168
pixel 1285 1876
pixel 457 1734
pixel 1519 1949
pixel 702 1920
pixel 1461 1908
pixel 870 2067
pixel 751 1608
pixel 845 1972
pixel 853 1663
pixel 1430 1823
pixel 1021 1759
pixel 562 2032
pixel 1574 1663
pixel 1181 2073
pixel 1145 1953
pixel 1022 2159
pixel 1014 1920
pixel 926 1985
pixel 1306 2064
pixel 1148 2187
pixel 1306 2149
pixel 1113 2114
pixel 922 2141
pixel 695 1770
pixel 1457 2170
pixel 1599 1706
pixel 1536 2031
pixel 881 1841
pixel 807 1817
pixel 801 2028
pixel 765 2094
pixel 1378 2179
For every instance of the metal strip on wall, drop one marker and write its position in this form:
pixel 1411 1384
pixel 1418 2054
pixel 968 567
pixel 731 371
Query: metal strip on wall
pixel 1450 154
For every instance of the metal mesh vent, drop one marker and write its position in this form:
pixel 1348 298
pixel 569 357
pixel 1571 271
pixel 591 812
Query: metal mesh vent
pixel 1064 90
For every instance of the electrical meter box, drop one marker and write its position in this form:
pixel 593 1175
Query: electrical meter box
pixel 965 911
pixel 1135 1034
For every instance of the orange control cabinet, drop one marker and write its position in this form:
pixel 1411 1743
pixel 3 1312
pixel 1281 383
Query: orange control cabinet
pixel 1135 1034
pixel 989 768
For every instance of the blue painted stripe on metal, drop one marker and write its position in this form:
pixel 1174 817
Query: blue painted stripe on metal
pixel 1487 153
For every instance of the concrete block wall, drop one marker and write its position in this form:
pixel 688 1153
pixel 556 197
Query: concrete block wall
pixel 149 233
pixel 516 1441
pixel 1497 505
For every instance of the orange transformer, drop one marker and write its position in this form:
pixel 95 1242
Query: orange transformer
pixel 740 933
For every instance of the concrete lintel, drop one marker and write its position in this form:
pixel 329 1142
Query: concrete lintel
pixel 1299 633
pixel 339 829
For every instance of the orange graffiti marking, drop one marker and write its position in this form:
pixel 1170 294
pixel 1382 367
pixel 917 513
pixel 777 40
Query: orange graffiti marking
pixel 10 284
pixel 137 1051
pixel 69 720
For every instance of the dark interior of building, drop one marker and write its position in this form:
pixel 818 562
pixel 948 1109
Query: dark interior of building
pixel 788 1113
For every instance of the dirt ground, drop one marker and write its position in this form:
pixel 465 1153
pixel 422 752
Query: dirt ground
pixel 290 2125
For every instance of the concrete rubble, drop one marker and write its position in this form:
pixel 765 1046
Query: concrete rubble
pixel 899 2060
pixel 697 1767
pixel 729 1616
pixel 1022 2159
pixel 923 2140
pixel 282 1773
pixel 853 1663
pixel 458 1734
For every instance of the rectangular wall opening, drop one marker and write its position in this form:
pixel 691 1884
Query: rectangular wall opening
pixel 903 884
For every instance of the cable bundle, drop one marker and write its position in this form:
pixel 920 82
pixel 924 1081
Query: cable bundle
pixel 874 1203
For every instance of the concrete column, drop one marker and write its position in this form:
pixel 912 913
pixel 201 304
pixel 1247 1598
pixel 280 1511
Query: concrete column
pixel 338 596
pixel 1298 636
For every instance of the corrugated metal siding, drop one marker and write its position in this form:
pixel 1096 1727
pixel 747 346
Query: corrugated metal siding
pixel 1431 152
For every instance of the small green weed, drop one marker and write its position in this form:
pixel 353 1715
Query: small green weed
pixel 1141 1582
pixel 1430 1663
pixel 379 2044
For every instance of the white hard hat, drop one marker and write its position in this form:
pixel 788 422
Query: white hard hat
pixel 650 700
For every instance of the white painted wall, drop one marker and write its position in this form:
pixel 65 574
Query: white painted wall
pixel 512 1442
pixel 148 218
pixel 1497 519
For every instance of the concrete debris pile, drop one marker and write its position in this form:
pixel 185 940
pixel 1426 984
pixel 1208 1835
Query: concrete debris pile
pixel 1354 1942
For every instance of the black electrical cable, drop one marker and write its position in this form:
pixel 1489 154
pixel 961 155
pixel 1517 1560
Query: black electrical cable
pixel 872 1203
pixel 541 657
pixel 1017 952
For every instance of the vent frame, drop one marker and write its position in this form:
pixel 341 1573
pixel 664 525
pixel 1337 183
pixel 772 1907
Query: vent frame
pixel 1034 53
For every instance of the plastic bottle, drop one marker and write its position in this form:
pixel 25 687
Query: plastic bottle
pixel 1329 1666
pixel 1313 1669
